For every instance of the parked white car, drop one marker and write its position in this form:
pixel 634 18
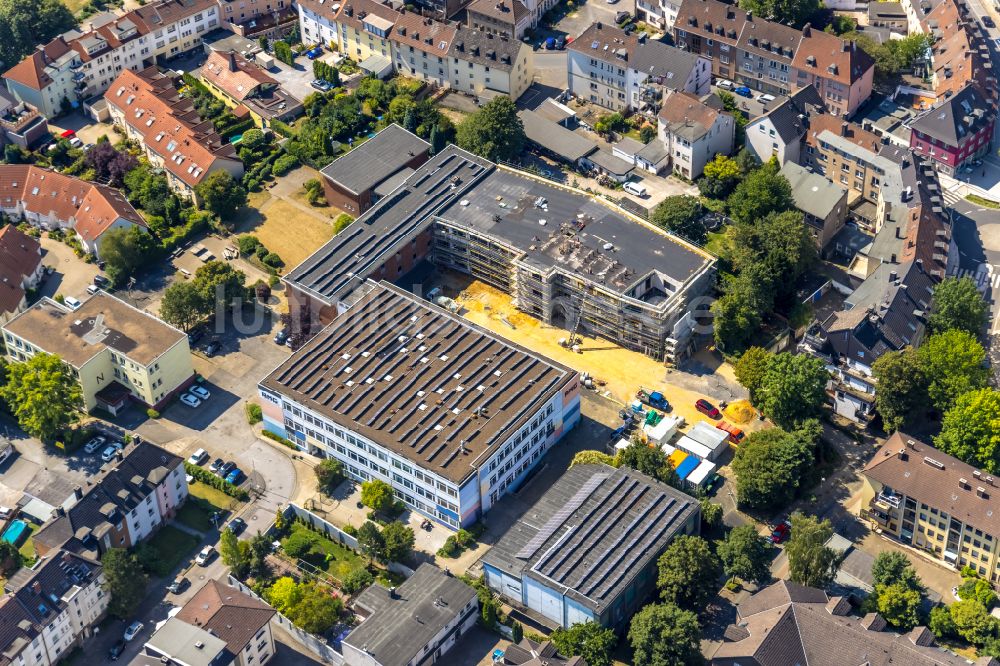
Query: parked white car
pixel 198 457
pixel 200 391
pixel 94 444
pixel 133 630
pixel 72 303
pixel 190 400
pixel 204 556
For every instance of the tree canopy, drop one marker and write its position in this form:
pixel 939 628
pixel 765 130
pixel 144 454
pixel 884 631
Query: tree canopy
pixel 899 605
pixel 183 305
pixel 42 394
pixel 750 370
pixel 958 304
pixel 793 388
pixel 495 131
pixel 650 460
pixel 891 567
pixel 745 554
pixel 778 244
pixel 125 250
pixel 665 635
pixel 588 640
pixel 762 192
pixel 681 214
pixel 399 540
pixel 902 388
pixel 377 494
pixel 953 362
pixel 124 580
pixel 329 474
pixel 793 12
pixel 770 465
pixel 221 193
pixel 720 177
pixel 23 25
pixel 688 573
pixel 970 430
pixel 810 561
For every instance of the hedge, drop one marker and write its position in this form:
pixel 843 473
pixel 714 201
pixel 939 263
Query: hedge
pixel 279 439
pixel 210 479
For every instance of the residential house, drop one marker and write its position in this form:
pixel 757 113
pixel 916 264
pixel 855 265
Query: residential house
pixel 242 83
pixel 74 69
pixel 787 623
pixel 533 653
pixel 485 65
pixel 118 353
pixel 661 13
pixel 956 131
pixel 20 270
pixel 849 155
pixel 597 66
pixel 241 621
pixel 563 561
pixel 21 124
pixel 417 622
pixel 364 27
pixel 775 58
pixel 263 18
pixel 51 200
pixel 174 138
pixel 888 15
pixel 694 131
pixel 51 608
pixel 823 204
pixel 133 496
pixel 354 182
pixel 452 471
pixel 931 501
pixel 318 22
pixel 177 643
pixel 420 47
pixel 507 18
pixel 655 69
pixel 780 131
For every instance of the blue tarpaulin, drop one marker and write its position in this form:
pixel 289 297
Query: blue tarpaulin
pixel 687 466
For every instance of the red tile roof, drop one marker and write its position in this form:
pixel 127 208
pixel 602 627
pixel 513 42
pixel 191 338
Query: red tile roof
pixel 30 72
pixel 832 57
pixel 234 75
pixel 19 257
pixel 169 125
pixel 423 34
pixel 226 612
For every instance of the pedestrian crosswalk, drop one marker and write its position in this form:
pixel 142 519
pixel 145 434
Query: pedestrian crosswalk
pixel 950 197
pixel 984 279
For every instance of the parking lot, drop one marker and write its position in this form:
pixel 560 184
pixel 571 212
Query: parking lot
pixel 72 275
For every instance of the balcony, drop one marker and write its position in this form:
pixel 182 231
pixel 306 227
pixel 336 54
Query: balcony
pixel 79 76
pixel 76 64
pixel 887 501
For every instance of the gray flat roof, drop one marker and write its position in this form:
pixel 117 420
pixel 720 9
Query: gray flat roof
pixel 610 163
pixel 813 193
pixel 401 624
pixel 555 138
pixel 593 532
pixel 187 643
pixel 366 166
pixel 437 190
pixel 419 380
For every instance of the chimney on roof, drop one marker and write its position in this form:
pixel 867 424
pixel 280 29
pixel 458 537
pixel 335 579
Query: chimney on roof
pixel 893 276
pixel 749 17
pixel 892 258
pixel 36 587
pixel 806 30
pixel 873 622
pixel 60 511
pixel 843 128
pixel 232 60
pixel 845 46
pixel 600 26
pixel 78 492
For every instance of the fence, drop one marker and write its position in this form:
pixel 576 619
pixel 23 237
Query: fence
pixel 330 530
pixel 313 643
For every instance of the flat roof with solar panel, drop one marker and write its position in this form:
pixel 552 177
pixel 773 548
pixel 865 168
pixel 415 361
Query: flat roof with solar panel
pixel 419 381
pixel 593 532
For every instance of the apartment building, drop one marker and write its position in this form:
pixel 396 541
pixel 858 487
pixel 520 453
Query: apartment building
pixel 633 283
pixel 242 83
pixel 889 15
pixel 51 200
pixel 21 124
pixel 847 154
pixel 364 29
pixel 484 64
pixel 242 622
pixel 258 18
pixel 507 18
pixel 420 47
pixel 823 203
pixel 775 58
pixel 118 353
pixel 20 270
pixel 399 390
pixel 416 623
pixel 956 131
pixel 50 608
pixel 81 67
pixel 780 132
pixel 151 111
pixel 133 495
pixel 929 500
pixel 694 131
pixel 656 69
pixel 597 66
pixel 569 559
pixel 661 13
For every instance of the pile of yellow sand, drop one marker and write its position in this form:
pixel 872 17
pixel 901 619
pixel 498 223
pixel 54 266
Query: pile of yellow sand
pixel 740 411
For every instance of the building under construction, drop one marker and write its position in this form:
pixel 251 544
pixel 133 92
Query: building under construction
pixel 568 259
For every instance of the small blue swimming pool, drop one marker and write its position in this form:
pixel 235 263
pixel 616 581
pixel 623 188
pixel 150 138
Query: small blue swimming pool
pixel 16 532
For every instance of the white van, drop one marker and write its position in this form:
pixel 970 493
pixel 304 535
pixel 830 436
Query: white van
pixel 635 188
pixel 72 303
pixel 766 98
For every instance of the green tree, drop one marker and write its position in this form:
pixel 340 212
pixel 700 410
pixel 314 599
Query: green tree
pixel 737 316
pixel 711 514
pixel 721 176
pixel 221 194
pixel 745 554
pixel 301 543
pixel 43 395
pixel 588 640
pixel 124 251
pixel 899 605
pixel 283 52
pixel 329 474
pixel 220 283
pixel 980 590
pixel 253 139
pixel 494 131
pixel 954 363
pixel 10 558
pixel 356 580
pixel 972 621
pixel 647 133
pixel 794 12
pixel 665 635
pixel 516 632
pixel 124 580
pixel 399 540
pixel 593 458
pixel 688 573
pixel 892 567
pixel 371 541
pixel 902 388
pixel 318 609
pixel 769 466
pixel 284 594
pixel 183 305
pixel 232 555
pixel 649 460
pixel 25 24
pixel 681 214
pixel 810 561
pixel 750 370
pixel 377 494
pixel 793 388
pixel 437 140
pixel 940 622
pixel 958 304
pixel 778 247
pixel 759 194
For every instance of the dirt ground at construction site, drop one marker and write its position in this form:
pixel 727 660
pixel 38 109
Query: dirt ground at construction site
pixel 618 372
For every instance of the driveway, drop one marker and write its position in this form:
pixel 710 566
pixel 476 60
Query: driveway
pixel 72 274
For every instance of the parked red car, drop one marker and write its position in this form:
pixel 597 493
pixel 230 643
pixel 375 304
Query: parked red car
pixel 708 409
pixel 781 533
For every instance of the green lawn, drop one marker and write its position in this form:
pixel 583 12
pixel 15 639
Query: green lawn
pixel 197 514
pixel 718 243
pixel 216 498
pixel 27 548
pixel 338 555
pixel 172 546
